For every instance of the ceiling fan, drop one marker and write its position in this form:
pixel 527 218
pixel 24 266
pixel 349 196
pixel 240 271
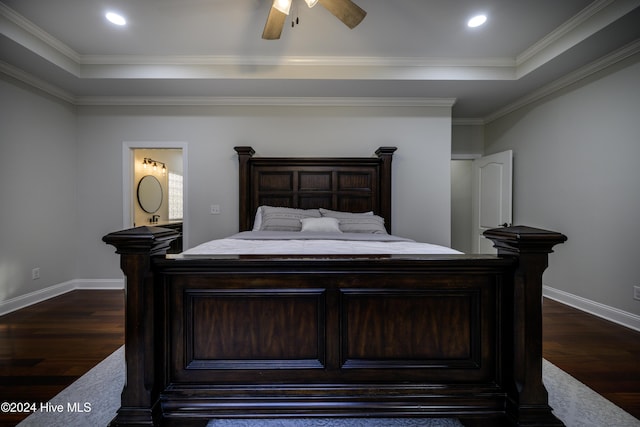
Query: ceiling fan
pixel 345 10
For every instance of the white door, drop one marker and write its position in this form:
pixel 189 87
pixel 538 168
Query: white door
pixel 492 197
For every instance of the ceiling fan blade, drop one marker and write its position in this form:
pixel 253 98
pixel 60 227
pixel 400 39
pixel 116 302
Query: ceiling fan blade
pixel 345 10
pixel 274 24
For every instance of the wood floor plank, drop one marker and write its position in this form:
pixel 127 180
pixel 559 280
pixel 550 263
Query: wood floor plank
pixel 601 354
pixel 46 347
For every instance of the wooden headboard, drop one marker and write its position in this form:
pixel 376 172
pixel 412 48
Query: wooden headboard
pixel 350 184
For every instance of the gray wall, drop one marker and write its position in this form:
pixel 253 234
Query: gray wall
pixel 421 164
pixel 467 140
pixel 576 171
pixel 62 172
pixel 38 194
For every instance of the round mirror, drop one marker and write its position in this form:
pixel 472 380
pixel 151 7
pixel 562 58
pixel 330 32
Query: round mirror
pixel 149 193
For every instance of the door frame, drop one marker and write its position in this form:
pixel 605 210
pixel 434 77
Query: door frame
pixel 128 184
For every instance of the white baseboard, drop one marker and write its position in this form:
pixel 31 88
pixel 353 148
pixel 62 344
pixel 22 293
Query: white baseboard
pixel 23 301
pixel 99 284
pixel 612 314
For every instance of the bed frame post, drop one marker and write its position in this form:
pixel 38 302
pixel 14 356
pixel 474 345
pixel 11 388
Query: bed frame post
pixel 244 154
pixel 531 246
pixel 385 154
pixel 140 393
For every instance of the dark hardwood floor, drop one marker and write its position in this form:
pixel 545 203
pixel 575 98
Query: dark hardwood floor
pixel 47 346
pixel 601 354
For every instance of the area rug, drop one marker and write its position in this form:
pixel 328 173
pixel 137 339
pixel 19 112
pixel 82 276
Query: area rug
pixel 95 397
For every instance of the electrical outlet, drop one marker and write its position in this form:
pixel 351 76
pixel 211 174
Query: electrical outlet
pixel 215 209
pixel 636 292
pixel 35 273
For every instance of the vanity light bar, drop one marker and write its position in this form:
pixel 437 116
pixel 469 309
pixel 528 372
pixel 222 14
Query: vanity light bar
pixel 149 162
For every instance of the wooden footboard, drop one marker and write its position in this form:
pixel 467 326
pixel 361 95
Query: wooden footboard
pixel 325 336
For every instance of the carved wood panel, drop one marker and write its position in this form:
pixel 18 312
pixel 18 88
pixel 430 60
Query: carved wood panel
pixel 419 328
pixel 347 326
pixel 346 189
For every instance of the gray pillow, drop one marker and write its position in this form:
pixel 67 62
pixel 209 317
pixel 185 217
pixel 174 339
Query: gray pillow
pixel 285 219
pixel 357 222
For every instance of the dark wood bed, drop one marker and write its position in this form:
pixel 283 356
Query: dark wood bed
pixel 242 336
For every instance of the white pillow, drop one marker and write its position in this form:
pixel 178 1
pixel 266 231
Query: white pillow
pixel 257 221
pixel 325 225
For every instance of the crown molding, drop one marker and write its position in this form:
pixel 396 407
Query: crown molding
pixel 584 72
pixel 563 30
pixel 37 33
pixel 606 61
pixel 266 101
pixel 467 122
pixel 591 19
pixel 316 61
pixel 36 83
pixel 575 30
pixel 39 84
pixel 24 32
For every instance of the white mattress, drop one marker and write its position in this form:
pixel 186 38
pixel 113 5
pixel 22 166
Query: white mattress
pixel 299 243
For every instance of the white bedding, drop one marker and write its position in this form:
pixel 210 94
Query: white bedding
pixel 307 243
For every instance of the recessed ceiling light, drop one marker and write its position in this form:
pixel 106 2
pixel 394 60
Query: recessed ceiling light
pixel 477 20
pixel 116 19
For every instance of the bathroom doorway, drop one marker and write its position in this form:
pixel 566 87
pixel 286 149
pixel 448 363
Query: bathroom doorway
pixel 158 182
pixel 154 187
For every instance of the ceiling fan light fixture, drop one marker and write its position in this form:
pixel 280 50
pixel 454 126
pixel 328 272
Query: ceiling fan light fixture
pixel 311 3
pixel 282 5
